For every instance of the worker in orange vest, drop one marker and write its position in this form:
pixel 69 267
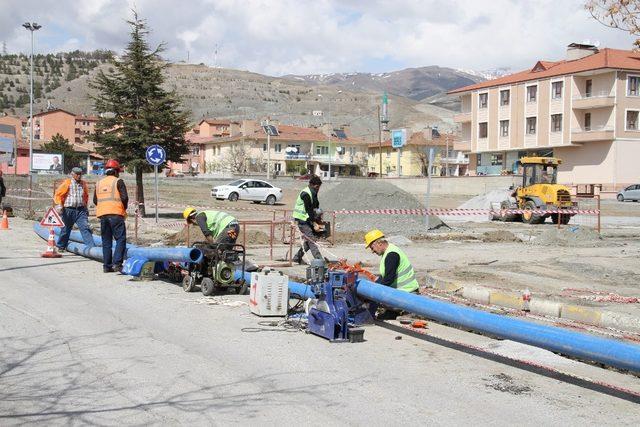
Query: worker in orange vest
pixel 111 200
pixel 72 199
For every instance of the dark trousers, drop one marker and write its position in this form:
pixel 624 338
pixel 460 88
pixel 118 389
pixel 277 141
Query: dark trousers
pixel 113 227
pixel 223 237
pixel 309 241
pixel 79 217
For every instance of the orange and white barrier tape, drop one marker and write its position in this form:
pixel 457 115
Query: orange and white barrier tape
pixel 456 212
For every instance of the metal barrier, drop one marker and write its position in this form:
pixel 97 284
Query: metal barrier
pixel 585 203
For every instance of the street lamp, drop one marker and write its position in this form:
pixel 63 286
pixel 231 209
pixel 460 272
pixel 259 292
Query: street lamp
pixel 31 26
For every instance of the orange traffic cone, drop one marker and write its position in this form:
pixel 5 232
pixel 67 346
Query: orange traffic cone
pixel 51 251
pixel 4 224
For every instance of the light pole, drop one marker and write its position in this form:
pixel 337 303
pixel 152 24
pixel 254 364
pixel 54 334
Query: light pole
pixel 31 26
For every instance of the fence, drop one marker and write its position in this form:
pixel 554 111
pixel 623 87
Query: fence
pixel 27 195
pixel 587 203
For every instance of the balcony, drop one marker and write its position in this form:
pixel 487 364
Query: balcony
pixel 297 156
pixel 462 117
pixel 345 159
pixel 460 160
pixel 462 145
pixel 595 133
pixel 601 99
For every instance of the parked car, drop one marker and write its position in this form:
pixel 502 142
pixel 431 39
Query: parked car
pixel 248 189
pixel 632 192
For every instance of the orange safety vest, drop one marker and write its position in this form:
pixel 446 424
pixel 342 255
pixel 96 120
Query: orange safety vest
pixel 108 196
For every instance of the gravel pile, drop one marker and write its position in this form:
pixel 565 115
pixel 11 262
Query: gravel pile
pixel 483 201
pixel 375 194
pixel 570 236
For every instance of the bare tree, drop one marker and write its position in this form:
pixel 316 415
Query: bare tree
pixel 237 157
pixel 620 14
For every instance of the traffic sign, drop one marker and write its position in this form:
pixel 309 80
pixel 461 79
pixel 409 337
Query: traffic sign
pixel 398 138
pixel 156 155
pixel 51 219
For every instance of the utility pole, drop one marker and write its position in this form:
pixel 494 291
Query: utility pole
pixel 446 155
pixel 268 151
pixel 329 140
pixel 31 26
pixel 380 141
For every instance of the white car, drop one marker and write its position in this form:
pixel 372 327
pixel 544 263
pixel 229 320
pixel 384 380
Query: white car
pixel 248 189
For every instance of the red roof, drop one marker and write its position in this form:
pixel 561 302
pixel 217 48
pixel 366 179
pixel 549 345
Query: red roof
pixel 217 122
pixel 57 110
pixel 88 118
pixel 603 59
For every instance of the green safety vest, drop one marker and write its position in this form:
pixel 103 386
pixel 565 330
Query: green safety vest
pixel 405 277
pixel 299 211
pixel 217 221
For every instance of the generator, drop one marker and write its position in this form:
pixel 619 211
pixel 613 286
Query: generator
pixel 269 293
pixel 217 270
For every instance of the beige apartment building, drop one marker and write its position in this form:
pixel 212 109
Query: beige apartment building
pixel 583 109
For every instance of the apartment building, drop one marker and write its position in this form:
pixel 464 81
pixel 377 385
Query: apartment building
pixel 583 109
pixel 294 149
pixel 75 128
pixel 450 156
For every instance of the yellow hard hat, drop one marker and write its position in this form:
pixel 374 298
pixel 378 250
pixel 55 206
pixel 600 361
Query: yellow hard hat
pixel 187 212
pixel 372 236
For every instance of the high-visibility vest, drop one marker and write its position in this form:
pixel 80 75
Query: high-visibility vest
pixel 405 276
pixel 299 212
pixel 217 221
pixel 108 196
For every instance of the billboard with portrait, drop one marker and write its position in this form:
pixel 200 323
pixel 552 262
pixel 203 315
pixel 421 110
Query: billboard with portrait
pixel 48 163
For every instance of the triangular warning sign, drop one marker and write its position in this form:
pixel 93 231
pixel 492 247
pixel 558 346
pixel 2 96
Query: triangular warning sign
pixel 51 219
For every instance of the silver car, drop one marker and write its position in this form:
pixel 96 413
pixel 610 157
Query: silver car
pixel 632 192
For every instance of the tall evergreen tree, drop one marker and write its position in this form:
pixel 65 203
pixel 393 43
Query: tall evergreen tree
pixel 136 111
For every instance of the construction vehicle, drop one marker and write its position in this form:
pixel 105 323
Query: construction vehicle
pixel 539 192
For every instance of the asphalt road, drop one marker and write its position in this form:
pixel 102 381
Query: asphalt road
pixel 81 347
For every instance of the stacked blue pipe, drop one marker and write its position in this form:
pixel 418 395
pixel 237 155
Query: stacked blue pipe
pixel 136 256
pixel 589 347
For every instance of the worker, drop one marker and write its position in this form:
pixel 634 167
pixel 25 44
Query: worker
pixel 305 213
pixel 112 200
pixel 3 191
pixel 71 199
pixel 217 226
pixel 396 270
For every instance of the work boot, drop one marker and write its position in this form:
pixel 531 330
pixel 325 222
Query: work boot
pixel 298 257
pixel 107 269
pixel 117 268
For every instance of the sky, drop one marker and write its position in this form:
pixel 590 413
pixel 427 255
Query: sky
pixel 278 37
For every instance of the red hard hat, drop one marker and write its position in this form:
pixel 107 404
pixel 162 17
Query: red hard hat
pixel 112 164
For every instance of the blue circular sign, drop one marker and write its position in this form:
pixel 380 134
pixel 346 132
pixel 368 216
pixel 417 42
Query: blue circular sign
pixel 156 155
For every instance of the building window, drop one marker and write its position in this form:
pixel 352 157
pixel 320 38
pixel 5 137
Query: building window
pixel 482 100
pixel 588 89
pixel 278 148
pixel 632 120
pixel 531 125
pixel 632 85
pixel 264 147
pixel 388 153
pixel 277 167
pixel 556 123
pixel 556 90
pixel 321 149
pixel 496 160
pixel 504 97
pixel 532 93
pixel 482 130
pixel 587 121
pixel 504 127
pixel 195 151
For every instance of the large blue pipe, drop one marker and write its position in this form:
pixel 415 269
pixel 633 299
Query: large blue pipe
pixel 149 254
pixel 610 352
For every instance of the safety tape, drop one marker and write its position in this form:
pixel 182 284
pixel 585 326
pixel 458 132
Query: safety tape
pixel 25 190
pixel 226 207
pixel 27 198
pixel 456 212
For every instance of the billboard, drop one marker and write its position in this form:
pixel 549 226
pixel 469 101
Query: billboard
pixel 48 163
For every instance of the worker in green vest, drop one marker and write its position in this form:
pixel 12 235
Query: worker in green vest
pixel 307 214
pixel 396 270
pixel 217 226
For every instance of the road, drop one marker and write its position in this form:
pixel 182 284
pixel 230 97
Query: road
pixel 82 347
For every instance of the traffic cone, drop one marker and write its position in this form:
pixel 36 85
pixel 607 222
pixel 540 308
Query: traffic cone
pixel 4 224
pixel 51 251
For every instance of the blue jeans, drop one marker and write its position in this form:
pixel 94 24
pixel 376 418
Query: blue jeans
pixel 79 217
pixel 113 227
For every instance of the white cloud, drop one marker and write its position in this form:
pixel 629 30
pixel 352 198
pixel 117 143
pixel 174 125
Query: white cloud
pixel 302 36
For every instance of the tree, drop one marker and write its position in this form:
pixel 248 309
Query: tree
pixel 60 144
pixel 237 158
pixel 620 14
pixel 135 111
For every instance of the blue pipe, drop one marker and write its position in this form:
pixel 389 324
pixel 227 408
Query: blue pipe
pixel 193 255
pixel 610 352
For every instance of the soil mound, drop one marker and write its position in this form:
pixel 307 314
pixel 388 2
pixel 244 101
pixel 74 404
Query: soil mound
pixel 254 237
pixel 570 236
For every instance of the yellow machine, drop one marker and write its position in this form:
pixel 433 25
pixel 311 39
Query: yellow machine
pixel 539 191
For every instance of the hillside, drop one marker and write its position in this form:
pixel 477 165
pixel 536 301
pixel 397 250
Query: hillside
pixel 412 83
pixel 236 94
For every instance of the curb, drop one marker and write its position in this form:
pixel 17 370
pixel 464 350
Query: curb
pixel 539 306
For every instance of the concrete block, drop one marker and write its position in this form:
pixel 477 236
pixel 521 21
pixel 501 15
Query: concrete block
pixel 623 322
pixel 578 313
pixel 504 299
pixel 476 293
pixel 545 307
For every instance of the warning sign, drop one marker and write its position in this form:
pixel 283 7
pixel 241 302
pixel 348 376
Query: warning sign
pixel 51 219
